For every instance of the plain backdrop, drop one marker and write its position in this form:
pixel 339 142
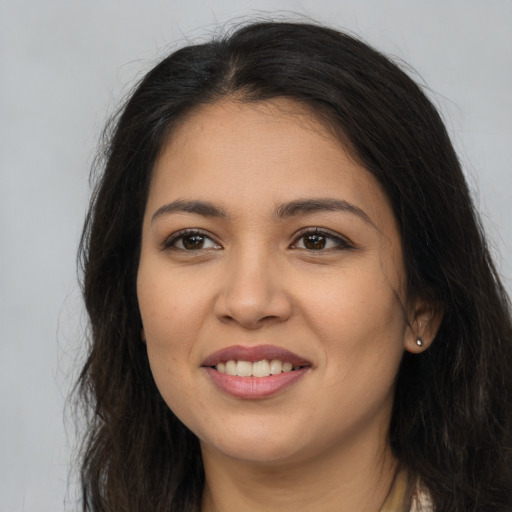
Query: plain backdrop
pixel 65 65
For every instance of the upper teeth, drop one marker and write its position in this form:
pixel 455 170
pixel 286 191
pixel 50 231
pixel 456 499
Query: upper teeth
pixel 262 368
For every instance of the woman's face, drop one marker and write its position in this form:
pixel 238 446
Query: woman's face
pixel 265 247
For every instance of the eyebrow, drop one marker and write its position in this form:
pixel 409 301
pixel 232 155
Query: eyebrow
pixel 282 211
pixel 304 206
pixel 203 208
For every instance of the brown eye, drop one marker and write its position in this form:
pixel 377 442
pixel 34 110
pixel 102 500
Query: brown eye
pixel 314 242
pixel 320 241
pixel 191 241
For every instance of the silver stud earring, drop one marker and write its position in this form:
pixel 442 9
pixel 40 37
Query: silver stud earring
pixel 419 342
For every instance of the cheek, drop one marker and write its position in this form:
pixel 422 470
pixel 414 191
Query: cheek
pixel 360 322
pixel 173 311
pixel 360 299
pixel 172 308
pixel 363 336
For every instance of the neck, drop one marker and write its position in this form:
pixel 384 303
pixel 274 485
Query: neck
pixel 350 478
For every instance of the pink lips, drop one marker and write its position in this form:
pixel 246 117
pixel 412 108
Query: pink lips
pixel 253 354
pixel 254 387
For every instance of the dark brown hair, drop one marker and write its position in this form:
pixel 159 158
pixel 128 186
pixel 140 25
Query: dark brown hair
pixel 451 423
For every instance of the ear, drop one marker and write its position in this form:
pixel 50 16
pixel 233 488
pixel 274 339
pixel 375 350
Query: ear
pixel 425 320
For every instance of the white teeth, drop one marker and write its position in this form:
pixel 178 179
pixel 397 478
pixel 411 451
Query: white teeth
pixel 231 367
pixel 276 366
pixel 262 368
pixel 244 368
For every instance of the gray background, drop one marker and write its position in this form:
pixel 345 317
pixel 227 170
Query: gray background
pixel 64 67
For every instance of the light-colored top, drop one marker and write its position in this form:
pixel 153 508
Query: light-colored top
pixel 399 498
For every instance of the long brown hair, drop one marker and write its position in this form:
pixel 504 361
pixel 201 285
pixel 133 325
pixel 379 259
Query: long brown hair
pixel 451 423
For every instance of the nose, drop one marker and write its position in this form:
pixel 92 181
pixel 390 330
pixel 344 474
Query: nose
pixel 253 292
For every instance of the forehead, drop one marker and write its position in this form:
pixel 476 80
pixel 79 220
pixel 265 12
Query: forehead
pixel 252 155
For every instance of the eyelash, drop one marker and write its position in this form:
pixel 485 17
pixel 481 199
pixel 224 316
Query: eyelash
pixel 170 242
pixel 341 243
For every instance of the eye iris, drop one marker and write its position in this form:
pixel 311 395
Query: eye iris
pixel 192 242
pixel 314 242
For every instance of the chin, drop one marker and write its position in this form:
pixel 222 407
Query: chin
pixel 267 455
pixel 259 447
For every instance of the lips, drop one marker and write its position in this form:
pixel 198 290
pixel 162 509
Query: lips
pixel 253 354
pixel 229 370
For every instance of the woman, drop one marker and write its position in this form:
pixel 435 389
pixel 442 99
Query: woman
pixel 291 299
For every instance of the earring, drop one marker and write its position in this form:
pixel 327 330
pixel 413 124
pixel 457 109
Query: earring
pixel 419 342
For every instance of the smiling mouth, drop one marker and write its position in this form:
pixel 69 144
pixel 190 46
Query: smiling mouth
pixel 263 368
pixel 255 372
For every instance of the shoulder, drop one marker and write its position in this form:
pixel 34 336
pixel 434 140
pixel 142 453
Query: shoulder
pixel 421 501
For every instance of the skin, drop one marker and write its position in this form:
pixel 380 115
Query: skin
pixel 322 442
